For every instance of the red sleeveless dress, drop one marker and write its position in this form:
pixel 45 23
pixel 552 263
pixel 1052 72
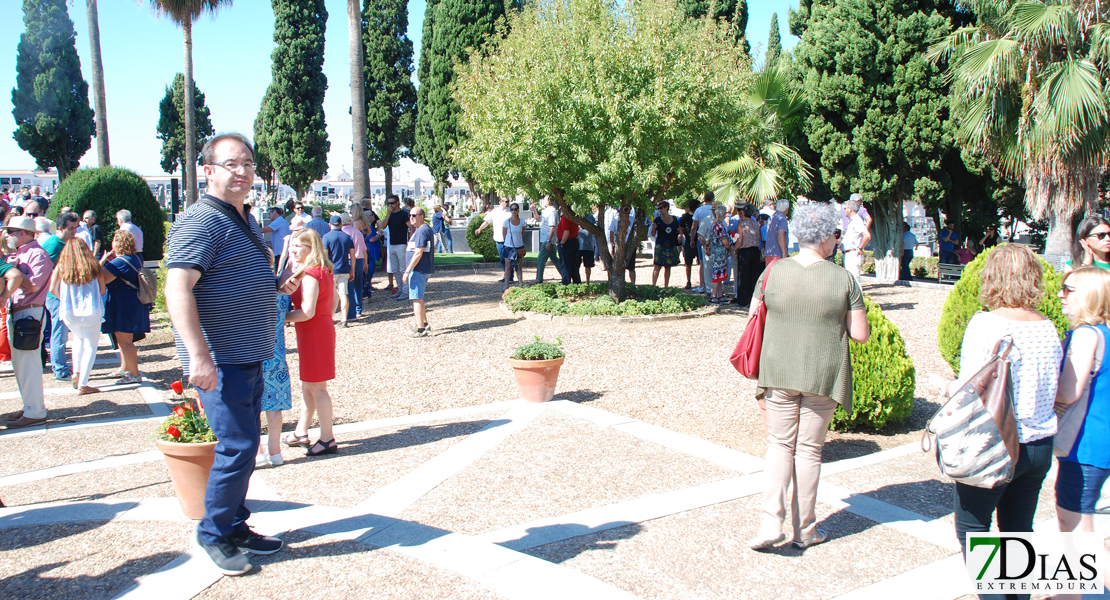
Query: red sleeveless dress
pixel 316 336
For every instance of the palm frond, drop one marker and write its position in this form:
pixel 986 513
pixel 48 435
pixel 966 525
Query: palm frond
pixel 954 43
pixel 990 63
pixel 1044 24
pixel 1098 37
pixel 186 11
pixel 1071 99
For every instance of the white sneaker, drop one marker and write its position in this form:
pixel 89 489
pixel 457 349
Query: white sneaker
pixel 276 460
pixel 262 461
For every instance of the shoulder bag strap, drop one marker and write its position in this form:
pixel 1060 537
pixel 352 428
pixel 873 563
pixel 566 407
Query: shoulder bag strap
pixel 240 221
pixel 125 281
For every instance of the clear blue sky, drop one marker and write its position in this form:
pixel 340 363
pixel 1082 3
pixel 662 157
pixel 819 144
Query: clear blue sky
pixel 231 65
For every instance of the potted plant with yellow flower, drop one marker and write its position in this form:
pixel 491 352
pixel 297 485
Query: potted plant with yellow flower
pixel 189 446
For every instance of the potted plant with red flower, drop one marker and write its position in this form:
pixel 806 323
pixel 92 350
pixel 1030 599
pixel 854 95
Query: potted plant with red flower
pixel 190 447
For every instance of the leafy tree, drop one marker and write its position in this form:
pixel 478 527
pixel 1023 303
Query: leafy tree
pixel 390 95
pixel 1033 77
pixel 171 123
pixel 458 28
pixel 184 13
pixel 50 102
pixel 615 107
pixel 769 166
pixel 99 100
pixel 360 164
pixel 298 141
pixel 799 19
pixel 264 167
pixel 878 108
pixel 774 43
pixel 729 11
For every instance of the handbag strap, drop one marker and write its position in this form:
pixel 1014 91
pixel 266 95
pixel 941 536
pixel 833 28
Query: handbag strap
pixel 239 220
pixel 1009 339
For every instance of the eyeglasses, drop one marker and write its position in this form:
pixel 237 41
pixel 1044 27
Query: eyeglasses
pixel 234 166
pixel 515 209
pixel 1066 289
pixel 1102 235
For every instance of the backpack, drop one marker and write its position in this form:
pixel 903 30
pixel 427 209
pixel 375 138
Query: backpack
pixel 148 284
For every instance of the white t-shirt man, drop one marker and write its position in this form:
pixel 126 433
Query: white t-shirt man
pixel 852 238
pixel 611 224
pixel 496 219
pixel 548 219
pixel 134 230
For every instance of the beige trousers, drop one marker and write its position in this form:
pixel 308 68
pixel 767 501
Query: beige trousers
pixel 27 365
pixel 796 427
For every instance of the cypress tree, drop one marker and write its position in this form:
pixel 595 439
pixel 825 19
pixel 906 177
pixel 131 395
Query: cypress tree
pixel 390 94
pixel 733 11
pixel 264 167
pixel 50 102
pixel 171 123
pixel 459 27
pixel 774 42
pixel 298 140
pixel 422 143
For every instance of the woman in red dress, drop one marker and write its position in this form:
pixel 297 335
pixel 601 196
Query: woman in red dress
pixel 313 304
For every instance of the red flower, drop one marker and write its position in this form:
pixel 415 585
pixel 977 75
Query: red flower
pixel 188 406
pixel 173 431
pixel 176 387
pixel 179 411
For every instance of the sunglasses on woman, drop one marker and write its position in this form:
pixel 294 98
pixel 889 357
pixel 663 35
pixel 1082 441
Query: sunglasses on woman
pixel 1102 235
pixel 1069 289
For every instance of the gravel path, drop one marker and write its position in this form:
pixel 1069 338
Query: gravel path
pixel 673 374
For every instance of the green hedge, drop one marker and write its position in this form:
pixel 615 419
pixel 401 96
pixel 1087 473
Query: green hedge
pixel 481 244
pixel 963 303
pixel 593 299
pixel 108 190
pixel 883 377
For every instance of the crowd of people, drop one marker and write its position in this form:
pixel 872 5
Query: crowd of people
pixel 800 386
pixel 59 280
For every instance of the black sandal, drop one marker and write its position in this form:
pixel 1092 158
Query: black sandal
pixel 328 447
pixel 293 440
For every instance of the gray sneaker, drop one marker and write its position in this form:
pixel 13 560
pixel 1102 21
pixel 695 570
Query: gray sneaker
pixel 417 333
pixel 227 558
pixel 249 541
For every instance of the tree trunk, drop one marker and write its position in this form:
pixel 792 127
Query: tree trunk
pixel 1057 245
pixel 886 239
pixel 98 86
pixel 388 180
pixel 361 161
pixel 189 168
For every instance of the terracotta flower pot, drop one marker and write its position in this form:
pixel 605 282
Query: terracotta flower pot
pixel 537 378
pixel 189 465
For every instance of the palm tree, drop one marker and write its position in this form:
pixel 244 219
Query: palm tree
pixel 361 161
pixel 1029 80
pixel 99 102
pixel 184 13
pixel 769 166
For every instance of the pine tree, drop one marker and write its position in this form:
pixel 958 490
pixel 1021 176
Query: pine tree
pixel 869 138
pixel 298 141
pixel 50 102
pixel 733 11
pixel 171 123
pixel 459 27
pixel 390 94
pixel 774 43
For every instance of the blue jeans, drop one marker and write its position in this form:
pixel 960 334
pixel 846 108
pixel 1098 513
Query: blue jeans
pixel 233 410
pixel 500 253
pixel 1015 502
pixel 367 278
pixel 354 290
pixel 58 334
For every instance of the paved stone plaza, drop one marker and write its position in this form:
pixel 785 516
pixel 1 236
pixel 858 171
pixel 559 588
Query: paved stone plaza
pixel 489 499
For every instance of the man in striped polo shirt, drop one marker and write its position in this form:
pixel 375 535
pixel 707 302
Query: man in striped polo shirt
pixel 220 292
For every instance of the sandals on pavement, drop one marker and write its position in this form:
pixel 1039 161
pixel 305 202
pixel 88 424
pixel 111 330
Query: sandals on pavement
pixel 763 541
pixel 820 538
pixel 295 440
pixel 86 390
pixel 322 447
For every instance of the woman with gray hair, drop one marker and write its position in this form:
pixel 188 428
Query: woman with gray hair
pixel 800 384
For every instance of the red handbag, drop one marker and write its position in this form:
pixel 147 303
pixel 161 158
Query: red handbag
pixel 746 355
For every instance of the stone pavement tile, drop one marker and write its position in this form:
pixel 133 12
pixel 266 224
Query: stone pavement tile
pixel 65 446
pixel 703 554
pixel 314 567
pixel 913 482
pixel 71 408
pixel 93 560
pixel 557 465
pixel 147 480
pixel 367 461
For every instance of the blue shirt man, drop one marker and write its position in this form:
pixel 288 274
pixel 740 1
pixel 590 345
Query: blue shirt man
pixel 318 224
pixel 340 247
pixel 279 230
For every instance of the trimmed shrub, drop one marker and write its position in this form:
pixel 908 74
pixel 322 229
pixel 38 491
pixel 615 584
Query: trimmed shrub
pixel 481 244
pixel 593 299
pixel 108 190
pixel 963 303
pixel 883 377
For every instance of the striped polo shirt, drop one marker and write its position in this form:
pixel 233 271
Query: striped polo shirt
pixel 235 295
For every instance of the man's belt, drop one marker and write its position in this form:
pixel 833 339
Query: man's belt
pixel 16 309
